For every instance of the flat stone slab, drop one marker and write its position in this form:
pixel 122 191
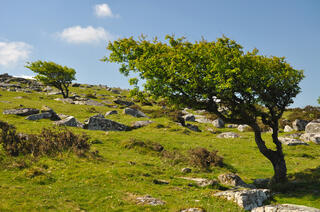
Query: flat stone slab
pixel 228 135
pixel 21 111
pixel 291 141
pixel 314 137
pixel 100 123
pixel 285 208
pixel 139 124
pixel 232 179
pixel 149 200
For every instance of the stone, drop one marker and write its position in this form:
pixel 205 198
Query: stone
pixel 112 112
pixel 100 123
pixel 291 141
pixel 149 200
pixel 232 179
pixel 139 124
pixel 160 182
pixel 218 123
pixel 202 182
pixel 54 116
pixel 314 137
pixel 313 127
pixel 134 112
pixel 88 102
pixel 228 135
pixel 192 210
pixel 299 125
pixel 186 170
pixel 189 117
pixel 285 208
pixel 232 126
pixel 34 117
pixel 294 135
pixel 65 100
pixel 244 128
pixel 287 128
pixel 203 119
pixel 246 199
pixel 122 102
pixel 21 111
pixel 193 128
pixel 69 121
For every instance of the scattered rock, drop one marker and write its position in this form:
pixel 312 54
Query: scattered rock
pixel 21 111
pixel 69 121
pixel 203 119
pixel 89 102
pixel 122 102
pixel 232 126
pixel 112 112
pixel 228 135
pixel 134 112
pixel 287 128
pixel 313 127
pixel 193 210
pixel 189 117
pixel 202 182
pixel 247 199
pixel 99 123
pixel 54 116
pixel 186 170
pixel 160 182
pixel 139 124
pixel 218 123
pixel 233 180
pixel 244 128
pixel 149 200
pixel 314 137
pixel 294 135
pixel 193 127
pixel 65 100
pixel 291 141
pixel 299 125
pixel 285 208
pixel 34 117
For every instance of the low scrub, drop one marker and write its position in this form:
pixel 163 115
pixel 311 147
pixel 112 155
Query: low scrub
pixel 48 142
pixel 135 143
pixel 201 157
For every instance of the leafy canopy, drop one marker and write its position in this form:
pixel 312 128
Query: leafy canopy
pixel 218 76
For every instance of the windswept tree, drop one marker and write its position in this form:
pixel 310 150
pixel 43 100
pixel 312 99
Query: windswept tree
pixel 239 87
pixel 52 74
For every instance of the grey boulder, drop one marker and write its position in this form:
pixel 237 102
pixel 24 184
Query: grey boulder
pixel 291 141
pixel 134 112
pixel 299 125
pixel 287 128
pixel 314 137
pixel 139 124
pixel 122 102
pixel 285 208
pixel 69 121
pixel 112 112
pixel 100 123
pixel 218 123
pixel 21 111
pixel 34 117
pixel 232 179
pixel 243 128
pixel 189 117
pixel 313 127
pixel 228 135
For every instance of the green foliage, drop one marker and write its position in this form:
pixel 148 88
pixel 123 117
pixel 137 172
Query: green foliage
pixel 201 157
pixel 50 73
pixel 308 113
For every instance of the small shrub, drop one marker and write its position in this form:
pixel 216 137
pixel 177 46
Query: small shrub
pixel 308 113
pixel 132 143
pixel 91 110
pixel 48 142
pixel 202 158
pixel 173 157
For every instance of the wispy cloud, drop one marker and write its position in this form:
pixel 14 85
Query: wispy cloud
pixel 103 10
pixel 11 53
pixel 78 34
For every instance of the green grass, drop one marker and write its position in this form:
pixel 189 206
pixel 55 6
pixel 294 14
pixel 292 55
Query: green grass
pixel 109 183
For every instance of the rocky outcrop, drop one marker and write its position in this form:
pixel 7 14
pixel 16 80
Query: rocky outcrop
pixel 202 182
pixel 34 117
pixel 291 141
pixel 314 137
pixel 112 112
pixel 287 128
pixel 149 200
pixel 139 124
pixel 313 127
pixel 232 179
pixel 122 102
pixel 285 208
pixel 134 112
pixel 21 111
pixel 203 119
pixel 244 128
pixel 69 121
pixel 247 199
pixel 228 135
pixel 299 125
pixel 189 117
pixel 218 123
pixel 54 116
pixel 101 123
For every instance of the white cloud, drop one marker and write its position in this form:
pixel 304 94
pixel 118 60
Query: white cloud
pixel 78 34
pixel 103 10
pixel 12 53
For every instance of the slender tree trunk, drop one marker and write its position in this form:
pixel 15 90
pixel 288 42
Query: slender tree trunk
pixel 275 157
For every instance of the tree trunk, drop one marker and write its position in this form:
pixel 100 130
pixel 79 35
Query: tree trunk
pixel 275 157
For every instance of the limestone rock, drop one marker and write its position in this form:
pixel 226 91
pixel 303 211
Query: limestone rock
pixel 202 182
pixel 186 170
pixel 122 102
pixel 149 200
pixel 134 112
pixel 228 135
pixel 139 124
pixel 313 127
pixel 189 117
pixel 21 111
pixel 193 210
pixel 218 123
pixel 100 123
pixel 287 128
pixel 299 125
pixel 34 117
pixel 112 112
pixel 244 128
pixel 285 208
pixel 247 199
pixel 203 119
pixel 291 141
pixel 314 137
pixel 232 179
pixel 69 121
pixel 232 126
pixel 54 116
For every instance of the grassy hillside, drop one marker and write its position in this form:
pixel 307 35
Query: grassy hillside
pixel 112 181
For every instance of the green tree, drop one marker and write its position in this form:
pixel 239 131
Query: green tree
pixel 318 100
pixel 52 74
pixel 239 87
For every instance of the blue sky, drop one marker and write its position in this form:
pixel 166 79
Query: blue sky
pixel 75 32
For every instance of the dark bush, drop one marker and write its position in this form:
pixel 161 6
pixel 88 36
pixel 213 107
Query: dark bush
pixel 48 142
pixel 132 143
pixel 204 159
